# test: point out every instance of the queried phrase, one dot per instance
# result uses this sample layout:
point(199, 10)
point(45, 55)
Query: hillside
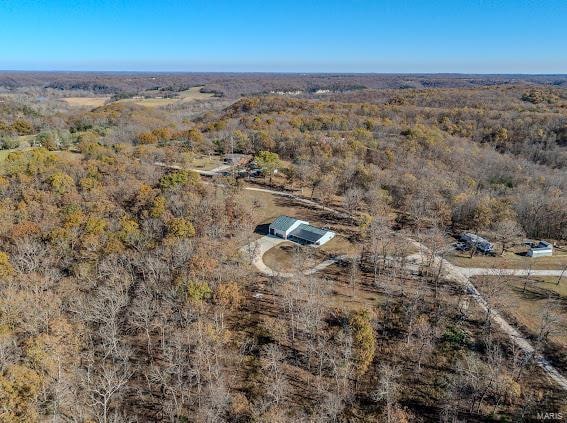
point(128, 284)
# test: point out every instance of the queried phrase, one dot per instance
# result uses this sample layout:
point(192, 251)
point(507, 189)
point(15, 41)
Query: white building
point(284, 225)
point(299, 231)
point(541, 249)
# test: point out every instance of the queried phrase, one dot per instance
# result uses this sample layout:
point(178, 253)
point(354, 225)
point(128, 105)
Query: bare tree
point(552, 323)
point(378, 238)
point(528, 263)
point(354, 272)
point(272, 365)
point(388, 390)
point(491, 289)
point(507, 231)
point(352, 199)
point(423, 340)
point(561, 275)
point(434, 240)
point(104, 386)
point(142, 316)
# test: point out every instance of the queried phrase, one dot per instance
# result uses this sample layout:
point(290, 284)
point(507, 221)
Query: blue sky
point(477, 36)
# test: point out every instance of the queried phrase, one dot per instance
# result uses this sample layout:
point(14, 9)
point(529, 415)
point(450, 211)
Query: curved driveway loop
point(256, 250)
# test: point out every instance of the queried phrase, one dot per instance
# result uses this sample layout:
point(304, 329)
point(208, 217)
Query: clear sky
point(476, 36)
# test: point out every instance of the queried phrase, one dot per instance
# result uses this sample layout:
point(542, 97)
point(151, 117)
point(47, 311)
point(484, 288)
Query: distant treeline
point(234, 85)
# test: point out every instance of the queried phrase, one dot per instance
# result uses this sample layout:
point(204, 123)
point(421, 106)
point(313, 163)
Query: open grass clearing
point(192, 94)
point(68, 155)
point(524, 303)
point(204, 162)
point(150, 102)
point(24, 143)
point(339, 246)
point(25, 140)
point(289, 256)
point(509, 260)
point(268, 207)
point(85, 101)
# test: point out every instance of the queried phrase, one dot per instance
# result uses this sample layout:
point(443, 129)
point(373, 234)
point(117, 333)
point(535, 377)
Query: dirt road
point(461, 276)
point(480, 271)
point(458, 275)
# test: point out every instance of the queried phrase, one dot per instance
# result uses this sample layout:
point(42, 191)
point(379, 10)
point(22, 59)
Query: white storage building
point(299, 231)
point(541, 249)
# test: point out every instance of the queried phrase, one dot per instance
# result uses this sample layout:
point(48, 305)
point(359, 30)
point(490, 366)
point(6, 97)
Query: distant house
point(541, 249)
point(299, 231)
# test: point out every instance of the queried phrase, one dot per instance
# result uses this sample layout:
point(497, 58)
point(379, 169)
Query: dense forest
point(127, 294)
point(235, 85)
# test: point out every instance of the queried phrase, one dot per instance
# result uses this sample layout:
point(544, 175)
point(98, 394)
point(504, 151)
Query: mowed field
point(204, 162)
point(290, 256)
point(187, 96)
point(85, 101)
point(268, 207)
point(510, 260)
point(526, 306)
point(192, 94)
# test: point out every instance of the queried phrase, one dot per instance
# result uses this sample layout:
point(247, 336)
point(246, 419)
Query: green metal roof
point(283, 223)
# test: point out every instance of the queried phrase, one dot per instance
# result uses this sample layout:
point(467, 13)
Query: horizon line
point(281, 72)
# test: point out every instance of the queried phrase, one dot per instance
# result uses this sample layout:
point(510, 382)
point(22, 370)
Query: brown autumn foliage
point(124, 295)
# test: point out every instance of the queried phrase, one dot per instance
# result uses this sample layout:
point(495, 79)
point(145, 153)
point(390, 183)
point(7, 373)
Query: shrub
point(158, 207)
point(19, 388)
point(6, 268)
point(181, 177)
point(198, 291)
point(146, 138)
point(180, 228)
point(48, 140)
point(95, 225)
point(455, 337)
point(364, 339)
point(130, 230)
point(22, 127)
point(9, 143)
point(61, 183)
point(228, 295)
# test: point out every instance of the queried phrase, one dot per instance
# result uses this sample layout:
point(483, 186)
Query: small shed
point(541, 249)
